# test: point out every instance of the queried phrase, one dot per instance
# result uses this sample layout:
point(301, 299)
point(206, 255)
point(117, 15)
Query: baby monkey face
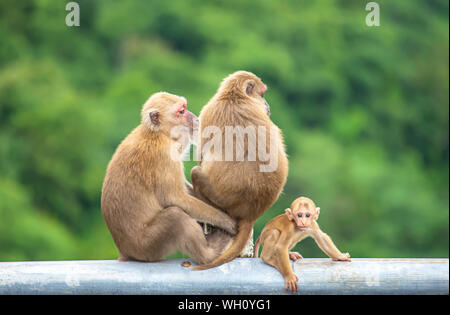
point(303, 212)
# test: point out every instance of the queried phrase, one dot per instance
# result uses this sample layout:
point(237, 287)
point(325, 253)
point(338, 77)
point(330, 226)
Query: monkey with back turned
point(240, 187)
point(283, 232)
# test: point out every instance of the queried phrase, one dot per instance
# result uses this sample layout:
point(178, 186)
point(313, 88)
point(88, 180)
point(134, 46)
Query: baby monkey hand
point(343, 257)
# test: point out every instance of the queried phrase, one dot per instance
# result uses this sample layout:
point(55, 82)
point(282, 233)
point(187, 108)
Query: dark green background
point(364, 111)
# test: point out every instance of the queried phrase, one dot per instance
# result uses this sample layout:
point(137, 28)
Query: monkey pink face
point(256, 89)
point(303, 212)
point(183, 124)
point(264, 90)
point(165, 112)
point(185, 117)
point(266, 105)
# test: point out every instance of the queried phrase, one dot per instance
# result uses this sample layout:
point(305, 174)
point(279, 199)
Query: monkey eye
point(299, 215)
point(182, 109)
point(308, 215)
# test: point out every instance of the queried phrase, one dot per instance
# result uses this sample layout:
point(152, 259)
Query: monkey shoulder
point(283, 223)
point(315, 226)
point(138, 163)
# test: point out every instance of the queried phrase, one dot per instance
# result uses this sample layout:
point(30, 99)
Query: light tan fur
point(239, 187)
point(145, 197)
point(283, 232)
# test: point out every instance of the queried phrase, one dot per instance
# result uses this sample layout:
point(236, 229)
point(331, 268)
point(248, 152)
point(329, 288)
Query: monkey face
point(168, 113)
point(303, 212)
point(265, 104)
point(185, 118)
point(303, 218)
point(255, 88)
point(185, 121)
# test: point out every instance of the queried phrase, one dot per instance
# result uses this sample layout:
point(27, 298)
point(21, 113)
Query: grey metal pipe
point(241, 276)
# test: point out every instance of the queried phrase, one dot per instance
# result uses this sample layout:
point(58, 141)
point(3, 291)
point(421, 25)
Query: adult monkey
point(145, 197)
point(246, 188)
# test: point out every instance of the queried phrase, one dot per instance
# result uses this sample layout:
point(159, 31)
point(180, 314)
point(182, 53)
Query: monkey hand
point(228, 224)
point(290, 283)
point(294, 256)
point(343, 257)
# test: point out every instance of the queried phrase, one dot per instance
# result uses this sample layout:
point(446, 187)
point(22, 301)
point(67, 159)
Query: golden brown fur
point(239, 187)
point(145, 200)
point(283, 232)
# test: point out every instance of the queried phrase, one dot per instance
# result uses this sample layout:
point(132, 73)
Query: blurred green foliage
point(364, 111)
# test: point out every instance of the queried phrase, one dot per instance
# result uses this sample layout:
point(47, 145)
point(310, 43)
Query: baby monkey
point(284, 231)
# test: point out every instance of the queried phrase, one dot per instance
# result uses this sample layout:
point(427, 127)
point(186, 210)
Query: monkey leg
point(269, 241)
point(247, 252)
point(284, 266)
point(123, 257)
point(203, 189)
point(275, 253)
point(198, 194)
point(248, 249)
point(174, 229)
point(198, 180)
point(290, 278)
point(218, 240)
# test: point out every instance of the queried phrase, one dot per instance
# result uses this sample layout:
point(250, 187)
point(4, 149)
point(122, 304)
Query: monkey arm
point(203, 212)
point(327, 246)
point(189, 188)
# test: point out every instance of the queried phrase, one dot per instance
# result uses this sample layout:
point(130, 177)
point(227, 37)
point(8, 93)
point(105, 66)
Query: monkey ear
point(154, 118)
point(249, 85)
point(316, 216)
point(289, 214)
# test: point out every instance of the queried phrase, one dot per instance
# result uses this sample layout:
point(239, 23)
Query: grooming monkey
point(284, 231)
point(239, 187)
point(145, 199)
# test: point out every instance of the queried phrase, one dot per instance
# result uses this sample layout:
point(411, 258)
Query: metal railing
point(241, 276)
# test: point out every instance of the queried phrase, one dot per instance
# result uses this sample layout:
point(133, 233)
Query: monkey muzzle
point(192, 120)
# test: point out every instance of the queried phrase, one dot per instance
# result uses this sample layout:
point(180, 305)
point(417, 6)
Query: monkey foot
point(290, 283)
point(247, 252)
point(295, 256)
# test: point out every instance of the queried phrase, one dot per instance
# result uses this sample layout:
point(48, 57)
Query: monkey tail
point(256, 249)
point(239, 242)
